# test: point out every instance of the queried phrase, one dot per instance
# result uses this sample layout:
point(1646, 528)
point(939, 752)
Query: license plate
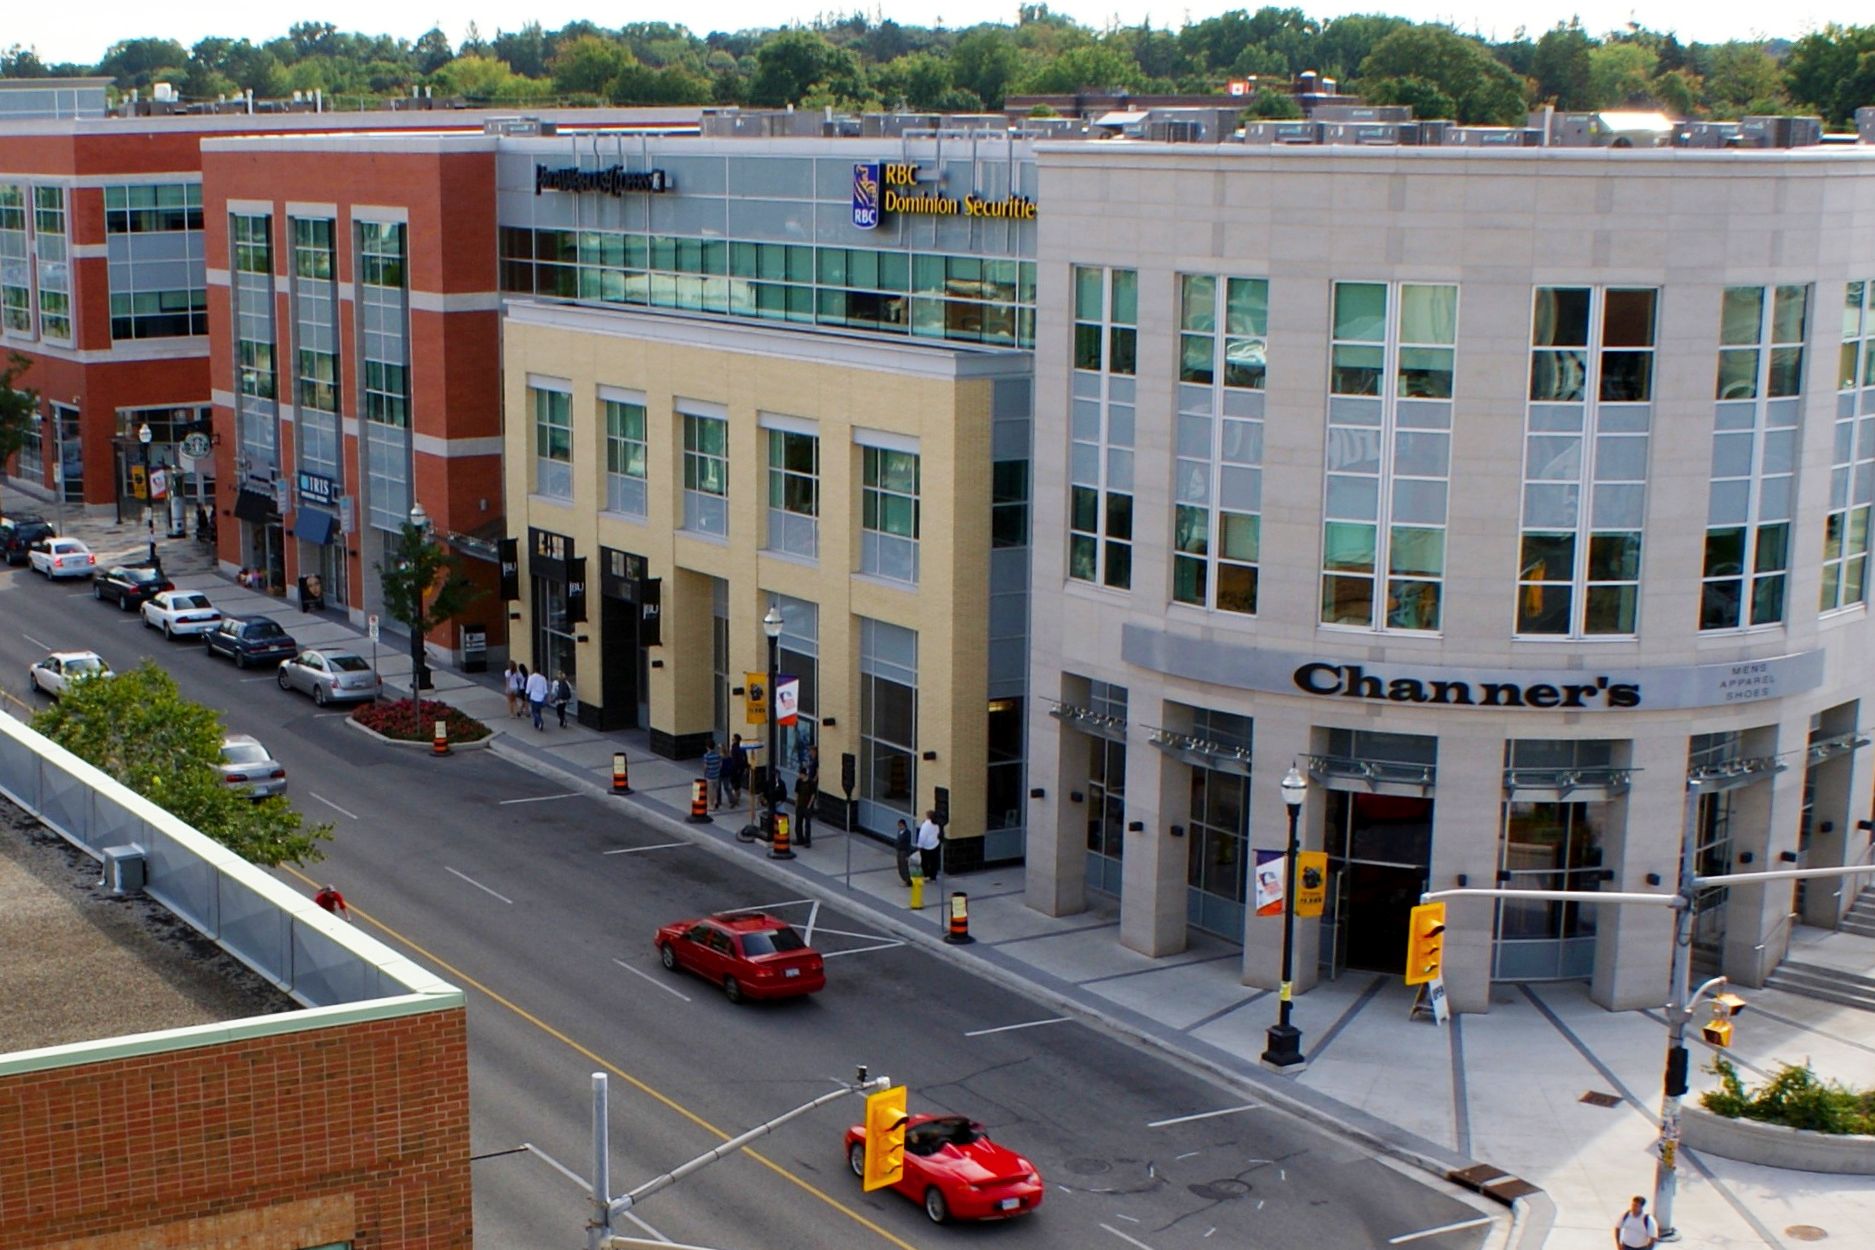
point(790, 972)
point(1009, 1204)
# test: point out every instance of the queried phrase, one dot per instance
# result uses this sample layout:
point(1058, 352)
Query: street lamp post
point(419, 666)
point(58, 465)
point(1285, 1040)
point(771, 625)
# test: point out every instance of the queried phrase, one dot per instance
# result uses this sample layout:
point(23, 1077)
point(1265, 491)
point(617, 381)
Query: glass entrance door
point(1379, 862)
point(1712, 854)
point(553, 636)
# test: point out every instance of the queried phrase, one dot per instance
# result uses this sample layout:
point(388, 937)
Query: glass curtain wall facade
point(16, 262)
point(52, 263)
point(257, 415)
point(1218, 513)
point(384, 356)
point(158, 273)
point(1852, 459)
point(316, 348)
point(1101, 426)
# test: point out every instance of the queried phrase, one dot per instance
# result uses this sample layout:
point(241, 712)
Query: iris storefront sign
point(880, 188)
point(612, 180)
point(1413, 685)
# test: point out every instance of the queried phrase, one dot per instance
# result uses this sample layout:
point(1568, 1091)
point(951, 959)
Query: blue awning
point(315, 527)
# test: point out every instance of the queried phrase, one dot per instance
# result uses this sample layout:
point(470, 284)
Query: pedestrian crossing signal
point(1425, 944)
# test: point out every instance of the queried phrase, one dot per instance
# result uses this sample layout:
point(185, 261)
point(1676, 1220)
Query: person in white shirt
point(1636, 1229)
point(930, 838)
point(537, 696)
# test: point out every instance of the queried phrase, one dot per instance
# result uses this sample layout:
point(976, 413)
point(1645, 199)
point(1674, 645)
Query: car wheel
point(123, 603)
point(97, 592)
point(935, 1206)
point(856, 1158)
point(240, 660)
point(167, 633)
point(284, 685)
point(668, 955)
point(732, 989)
point(319, 695)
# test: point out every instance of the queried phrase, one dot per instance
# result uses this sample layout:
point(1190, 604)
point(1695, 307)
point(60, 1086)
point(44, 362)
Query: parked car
point(61, 557)
point(250, 640)
point(129, 584)
point(247, 765)
point(180, 613)
point(956, 1171)
point(330, 676)
point(19, 533)
point(59, 671)
point(750, 954)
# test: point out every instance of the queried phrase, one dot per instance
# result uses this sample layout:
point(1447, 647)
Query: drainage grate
point(1596, 1098)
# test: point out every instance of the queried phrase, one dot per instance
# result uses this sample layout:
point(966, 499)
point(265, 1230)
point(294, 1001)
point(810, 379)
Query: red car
point(749, 953)
point(956, 1171)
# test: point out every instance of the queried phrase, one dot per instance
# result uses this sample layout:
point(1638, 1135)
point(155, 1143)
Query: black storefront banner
point(651, 612)
point(576, 590)
point(508, 551)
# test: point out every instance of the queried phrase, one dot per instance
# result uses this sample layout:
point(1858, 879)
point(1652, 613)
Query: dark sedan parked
point(19, 533)
point(129, 585)
point(251, 640)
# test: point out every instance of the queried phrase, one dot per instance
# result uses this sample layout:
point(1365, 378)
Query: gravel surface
point(79, 964)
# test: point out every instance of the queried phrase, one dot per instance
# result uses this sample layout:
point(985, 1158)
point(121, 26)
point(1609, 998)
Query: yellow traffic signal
point(1425, 943)
point(885, 1138)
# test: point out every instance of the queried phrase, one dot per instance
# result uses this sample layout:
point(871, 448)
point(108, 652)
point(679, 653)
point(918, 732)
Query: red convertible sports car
point(749, 953)
point(956, 1171)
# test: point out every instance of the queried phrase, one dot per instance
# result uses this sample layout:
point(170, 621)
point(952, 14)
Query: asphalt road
point(542, 904)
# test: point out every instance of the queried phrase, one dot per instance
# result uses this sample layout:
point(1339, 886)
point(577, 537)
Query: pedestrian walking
point(1636, 1230)
point(562, 695)
point(736, 769)
point(334, 902)
point(930, 847)
point(713, 783)
point(512, 684)
point(537, 697)
point(806, 790)
point(902, 844)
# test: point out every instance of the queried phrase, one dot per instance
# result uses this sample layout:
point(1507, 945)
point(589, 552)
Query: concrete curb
point(1533, 1213)
point(479, 744)
point(1776, 1146)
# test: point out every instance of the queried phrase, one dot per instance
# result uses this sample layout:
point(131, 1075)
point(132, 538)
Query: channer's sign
point(1370, 683)
point(612, 180)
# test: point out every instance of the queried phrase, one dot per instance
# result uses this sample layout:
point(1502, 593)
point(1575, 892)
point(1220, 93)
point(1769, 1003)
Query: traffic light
point(849, 774)
point(941, 804)
point(885, 1138)
point(1718, 1030)
point(1425, 943)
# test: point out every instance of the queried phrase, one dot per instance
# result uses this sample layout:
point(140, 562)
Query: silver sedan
point(332, 676)
point(249, 767)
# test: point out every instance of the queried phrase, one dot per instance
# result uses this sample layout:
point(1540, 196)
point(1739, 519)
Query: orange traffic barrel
point(700, 803)
point(621, 774)
point(779, 849)
point(439, 745)
point(960, 919)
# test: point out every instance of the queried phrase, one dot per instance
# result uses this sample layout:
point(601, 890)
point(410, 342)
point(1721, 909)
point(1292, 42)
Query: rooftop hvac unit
point(1174, 131)
point(124, 869)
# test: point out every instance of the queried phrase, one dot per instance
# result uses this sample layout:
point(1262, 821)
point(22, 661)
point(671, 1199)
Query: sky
point(58, 36)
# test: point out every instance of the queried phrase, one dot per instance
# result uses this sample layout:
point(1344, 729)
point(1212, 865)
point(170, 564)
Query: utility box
point(475, 648)
point(124, 869)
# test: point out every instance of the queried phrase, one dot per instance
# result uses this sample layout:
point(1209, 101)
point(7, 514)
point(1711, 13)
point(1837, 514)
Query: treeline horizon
point(859, 64)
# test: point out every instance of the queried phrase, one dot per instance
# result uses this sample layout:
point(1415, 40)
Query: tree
point(424, 586)
point(1743, 80)
point(789, 66)
point(1484, 91)
point(17, 406)
point(19, 62)
point(918, 81)
point(141, 62)
point(1833, 71)
point(1423, 97)
point(1093, 65)
point(587, 65)
point(1560, 66)
point(1268, 105)
point(138, 728)
point(431, 52)
point(986, 61)
point(1622, 74)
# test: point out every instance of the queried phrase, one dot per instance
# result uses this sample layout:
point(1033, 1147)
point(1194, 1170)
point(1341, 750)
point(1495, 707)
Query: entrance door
point(553, 636)
point(619, 652)
point(1380, 858)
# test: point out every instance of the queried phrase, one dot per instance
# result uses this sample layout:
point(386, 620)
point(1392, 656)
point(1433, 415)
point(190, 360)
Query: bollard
point(960, 919)
point(700, 803)
point(621, 775)
point(779, 849)
point(917, 891)
point(439, 745)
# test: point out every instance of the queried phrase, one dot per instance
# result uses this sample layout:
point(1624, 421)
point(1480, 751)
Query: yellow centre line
point(615, 1070)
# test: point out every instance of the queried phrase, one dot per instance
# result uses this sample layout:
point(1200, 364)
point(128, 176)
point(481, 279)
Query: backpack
point(562, 693)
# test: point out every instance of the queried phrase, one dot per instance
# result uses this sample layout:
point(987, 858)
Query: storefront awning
point(315, 527)
point(251, 505)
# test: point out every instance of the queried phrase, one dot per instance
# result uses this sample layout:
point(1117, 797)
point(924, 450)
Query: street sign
point(371, 626)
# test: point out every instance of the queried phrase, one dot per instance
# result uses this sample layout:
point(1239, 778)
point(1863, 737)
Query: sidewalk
point(1504, 1089)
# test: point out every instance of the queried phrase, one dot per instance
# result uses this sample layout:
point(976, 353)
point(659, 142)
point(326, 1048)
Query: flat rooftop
point(84, 965)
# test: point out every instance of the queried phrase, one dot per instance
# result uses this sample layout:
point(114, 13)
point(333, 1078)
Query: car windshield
point(84, 664)
point(265, 629)
point(243, 753)
point(348, 663)
point(191, 601)
point(769, 941)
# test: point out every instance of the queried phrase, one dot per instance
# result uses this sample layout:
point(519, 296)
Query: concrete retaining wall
point(1774, 1146)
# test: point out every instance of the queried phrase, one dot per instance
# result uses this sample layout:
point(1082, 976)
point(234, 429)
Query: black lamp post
point(1285, 1040)
point(771, 625)
point(419, 667)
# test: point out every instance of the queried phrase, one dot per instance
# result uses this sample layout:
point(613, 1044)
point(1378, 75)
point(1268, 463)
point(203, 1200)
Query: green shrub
point(1794, 1097)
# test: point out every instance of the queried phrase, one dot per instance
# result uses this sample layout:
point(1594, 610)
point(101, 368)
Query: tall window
point(1389, 455)
point(797, 655)
point(1585, 460)
point(315, 341)
point(1217, 517)
point(706, 474)
point(1754, 456)
point(1218, 847)
point(1100, 453)
point(53, 253)
point(888, 724)
point(1852, 464)
point(793, 489)
point(553, 442)
point(626, 453)
point(888, 539)
point(1551, 845)
point(16, 265)
point(159, 277)
point(250, 240)
point(383, 307)
point(1106, 785)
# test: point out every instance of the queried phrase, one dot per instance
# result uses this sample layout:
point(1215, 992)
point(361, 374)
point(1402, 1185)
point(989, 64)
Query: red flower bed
point(409, 722)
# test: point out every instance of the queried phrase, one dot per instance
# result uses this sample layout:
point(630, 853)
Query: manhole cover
point(1089, 1167)
point(1220, 1190)
point(1805, 1232)
point(1598, 1099)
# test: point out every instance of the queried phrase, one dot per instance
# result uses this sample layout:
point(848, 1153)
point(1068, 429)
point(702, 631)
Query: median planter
point(1774, 1146)
point(399, 722)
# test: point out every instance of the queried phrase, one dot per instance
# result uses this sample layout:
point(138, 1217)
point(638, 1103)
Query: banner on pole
point(755, 698)
point(1311, 882)
point(1269, 883)
point(787, 699)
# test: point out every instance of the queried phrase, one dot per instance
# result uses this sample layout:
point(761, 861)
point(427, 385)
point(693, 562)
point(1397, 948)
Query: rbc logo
point(866, 195)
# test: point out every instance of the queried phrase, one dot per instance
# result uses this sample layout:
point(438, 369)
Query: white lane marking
point(478, 885)
point(1189, 1154)
point(540, 798)
point(334, 806)
point(633, 850)
point(647, 976)
point(1434, 1232)
point(1032, 1024)
point(1203, 1115)
point(245, 680)
point(860, 950)
point(813, 914)
point(1130, 1219)
point(43, 646)
point(1131, 1241)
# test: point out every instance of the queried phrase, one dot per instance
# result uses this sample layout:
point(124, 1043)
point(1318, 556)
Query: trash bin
point(475, 648)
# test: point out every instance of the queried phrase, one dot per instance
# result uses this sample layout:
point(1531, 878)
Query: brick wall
point(355, 1133)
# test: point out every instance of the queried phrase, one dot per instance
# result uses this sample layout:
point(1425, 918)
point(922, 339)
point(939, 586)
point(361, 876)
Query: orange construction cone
point(779, 848)
point(700, 804)
point(621, 775)
point(439, 745)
